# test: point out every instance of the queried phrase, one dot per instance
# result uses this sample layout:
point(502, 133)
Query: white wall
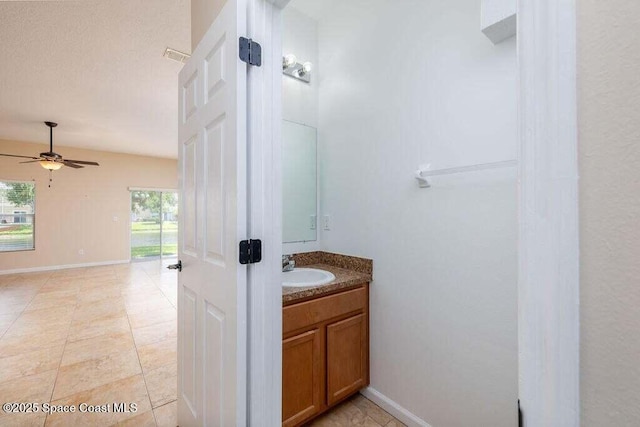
point(404, 83)
point(203, 13)
point(609, 160)
point(300, 99)
point(300, 37)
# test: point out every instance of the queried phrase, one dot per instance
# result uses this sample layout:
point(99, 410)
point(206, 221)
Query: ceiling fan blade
point(71, 165)
point(31, 161)
point(82, 162)
point(22, 157)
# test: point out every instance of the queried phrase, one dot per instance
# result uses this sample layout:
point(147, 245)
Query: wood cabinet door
point(302, 377)
point(347, 360)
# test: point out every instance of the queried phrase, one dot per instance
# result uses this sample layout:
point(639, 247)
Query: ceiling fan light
point(50, 165)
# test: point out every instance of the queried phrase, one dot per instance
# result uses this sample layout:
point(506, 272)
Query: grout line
point(66, 340)
point(25, 307)
point(144, 378)
point(68, 332)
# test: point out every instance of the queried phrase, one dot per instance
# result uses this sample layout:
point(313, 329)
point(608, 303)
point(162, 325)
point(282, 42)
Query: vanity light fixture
point(292, 68)
point(306, 68)
point(289, 61)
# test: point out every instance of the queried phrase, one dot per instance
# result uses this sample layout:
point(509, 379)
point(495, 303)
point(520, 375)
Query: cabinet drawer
point(298, 316)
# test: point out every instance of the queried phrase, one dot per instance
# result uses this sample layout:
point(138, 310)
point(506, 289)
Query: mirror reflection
point(299, 183)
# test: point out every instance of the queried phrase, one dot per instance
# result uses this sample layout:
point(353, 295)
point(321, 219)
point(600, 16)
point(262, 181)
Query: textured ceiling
point(96, 68)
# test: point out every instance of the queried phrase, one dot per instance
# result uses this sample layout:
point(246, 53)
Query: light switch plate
point(312, 222)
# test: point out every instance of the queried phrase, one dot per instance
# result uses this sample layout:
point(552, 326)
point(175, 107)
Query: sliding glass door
point(154, 224)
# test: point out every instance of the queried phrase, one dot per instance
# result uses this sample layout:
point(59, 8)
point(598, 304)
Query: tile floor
point(357, 411)
point(95, 335)
point(101, 335)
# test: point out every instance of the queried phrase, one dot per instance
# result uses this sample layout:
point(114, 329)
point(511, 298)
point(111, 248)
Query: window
point(17, 216)
point(154, 224)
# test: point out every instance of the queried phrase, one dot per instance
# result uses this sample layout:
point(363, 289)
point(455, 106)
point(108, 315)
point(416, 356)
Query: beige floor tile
point(34, 388)
point(51, 300)
point(23, 420)
point(98, 294)
point(17, 292)
point(140, 320)
point(134, 280)
point(62, 290)
point(7, 320)
point(97, 310)
point(13, 305)
point(35, 362)
point(82, 330)
point(7, 279)
point(162, 384)
point(148, 305)
point(60, 284)
point(32, 278)
point(141, 292)
point(4, 325)
point(91, 284)
point(95, 372)
point(344, 415)
point(126, 390)
point(97, 347)
point(157, 354)
point(356, 411)
point(24, 325)
point(145, 419)
point(156, 332)
point(371, 409)
point(47, 315)
point(68, 272)
point(11, 345)
point(76, 326)
point(167, 415)
point(99, 270)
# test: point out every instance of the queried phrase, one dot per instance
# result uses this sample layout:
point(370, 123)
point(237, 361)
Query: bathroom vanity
point(325, 347)
point(325, 296)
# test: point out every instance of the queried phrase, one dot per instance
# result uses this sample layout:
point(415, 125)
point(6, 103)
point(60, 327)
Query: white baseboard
point(393, 408)
point(62, 267)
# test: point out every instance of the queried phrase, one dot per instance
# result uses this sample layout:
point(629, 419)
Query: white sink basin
point(302, 277)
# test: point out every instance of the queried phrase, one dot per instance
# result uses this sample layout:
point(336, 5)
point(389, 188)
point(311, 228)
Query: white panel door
point(212, 337)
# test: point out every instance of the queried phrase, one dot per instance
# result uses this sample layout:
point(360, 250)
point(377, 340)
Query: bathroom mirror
point(299, 183)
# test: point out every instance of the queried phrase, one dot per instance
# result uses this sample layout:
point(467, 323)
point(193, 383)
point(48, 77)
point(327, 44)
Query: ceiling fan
point(50, 160)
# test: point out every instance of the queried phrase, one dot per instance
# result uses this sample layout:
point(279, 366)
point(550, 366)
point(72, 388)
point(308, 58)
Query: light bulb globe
point(50, 165)
point(289, 60)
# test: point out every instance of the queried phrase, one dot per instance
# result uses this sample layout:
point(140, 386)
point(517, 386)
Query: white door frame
point(548, 295)
point(548, 273)
point(264, 289)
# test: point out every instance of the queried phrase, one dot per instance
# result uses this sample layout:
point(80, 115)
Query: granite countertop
point(351, 273)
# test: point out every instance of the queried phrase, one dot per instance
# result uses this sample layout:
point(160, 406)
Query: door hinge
point(250, 52)
point(250, 251)
point(520, 421)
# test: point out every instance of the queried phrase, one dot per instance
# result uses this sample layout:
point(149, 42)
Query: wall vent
point(176, 55)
